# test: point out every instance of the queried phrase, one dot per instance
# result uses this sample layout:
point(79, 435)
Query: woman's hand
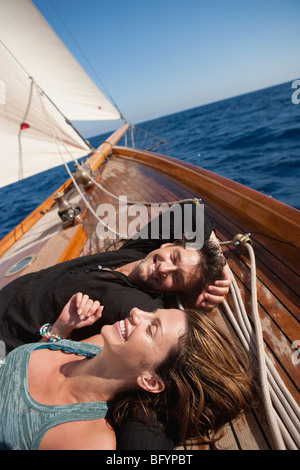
point(214, 295)
point(79, 312)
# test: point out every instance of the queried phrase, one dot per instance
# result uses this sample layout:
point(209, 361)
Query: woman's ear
point(151, 383)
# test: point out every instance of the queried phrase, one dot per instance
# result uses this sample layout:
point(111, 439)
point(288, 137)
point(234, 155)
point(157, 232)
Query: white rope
point(271, 416)
point(97, 184)
point(139, 202)
point(142, 203)
point(283, 420)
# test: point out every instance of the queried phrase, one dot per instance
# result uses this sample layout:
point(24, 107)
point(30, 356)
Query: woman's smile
point(122, 330)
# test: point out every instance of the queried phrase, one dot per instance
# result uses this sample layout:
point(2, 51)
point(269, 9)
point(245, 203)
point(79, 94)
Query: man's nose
point(166, 268)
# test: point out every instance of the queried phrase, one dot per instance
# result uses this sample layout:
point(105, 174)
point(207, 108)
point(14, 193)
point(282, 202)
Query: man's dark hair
point(211, 265)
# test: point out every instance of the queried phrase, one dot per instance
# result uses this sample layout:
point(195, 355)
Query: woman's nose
point(136, 315)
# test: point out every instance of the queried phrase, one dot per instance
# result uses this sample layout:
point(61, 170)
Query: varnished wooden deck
point(142, 177)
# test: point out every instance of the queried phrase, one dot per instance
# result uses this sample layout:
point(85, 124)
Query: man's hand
point(214, 295)
point(79, 312)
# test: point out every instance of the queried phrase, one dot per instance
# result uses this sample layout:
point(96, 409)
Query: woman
point(169, 361)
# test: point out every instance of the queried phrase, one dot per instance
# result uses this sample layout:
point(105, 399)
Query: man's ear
point(151, 383)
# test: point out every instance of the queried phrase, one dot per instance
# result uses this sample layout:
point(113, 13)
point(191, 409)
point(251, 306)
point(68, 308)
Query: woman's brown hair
point(208, 382)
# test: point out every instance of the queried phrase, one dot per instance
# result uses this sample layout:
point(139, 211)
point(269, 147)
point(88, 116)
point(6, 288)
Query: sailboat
point(259, 235)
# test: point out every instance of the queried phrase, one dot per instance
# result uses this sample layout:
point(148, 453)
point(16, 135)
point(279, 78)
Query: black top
point(38, 298)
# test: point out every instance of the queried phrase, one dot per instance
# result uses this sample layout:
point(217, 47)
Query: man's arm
point(214, 294)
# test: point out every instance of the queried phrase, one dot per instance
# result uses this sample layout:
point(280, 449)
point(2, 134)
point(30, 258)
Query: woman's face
point(140, 342)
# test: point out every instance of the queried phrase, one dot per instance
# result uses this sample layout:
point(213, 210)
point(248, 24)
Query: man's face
point(171, 268)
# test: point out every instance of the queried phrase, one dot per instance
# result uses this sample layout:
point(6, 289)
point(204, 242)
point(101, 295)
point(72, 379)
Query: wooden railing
point(248, 204)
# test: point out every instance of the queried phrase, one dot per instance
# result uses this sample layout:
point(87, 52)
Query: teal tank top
point(23, 421)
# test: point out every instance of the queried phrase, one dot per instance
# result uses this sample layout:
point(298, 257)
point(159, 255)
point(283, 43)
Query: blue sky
point(157, 57)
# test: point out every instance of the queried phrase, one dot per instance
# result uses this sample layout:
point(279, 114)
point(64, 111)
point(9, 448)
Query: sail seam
point(20, 174)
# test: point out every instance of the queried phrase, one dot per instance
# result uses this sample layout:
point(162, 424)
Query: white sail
point(34, 135)
point(40, 83)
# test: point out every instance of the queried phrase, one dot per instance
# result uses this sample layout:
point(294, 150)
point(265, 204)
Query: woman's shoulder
point(101, 435)
point(95, 434)
point(91, 345)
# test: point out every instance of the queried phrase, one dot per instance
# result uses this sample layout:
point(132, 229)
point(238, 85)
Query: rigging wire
point(87, 60)
point(57, 141)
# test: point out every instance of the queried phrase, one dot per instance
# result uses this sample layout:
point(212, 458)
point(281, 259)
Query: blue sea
point(253, 139)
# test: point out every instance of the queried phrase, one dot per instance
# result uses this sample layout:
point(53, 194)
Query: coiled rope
point(284, 418)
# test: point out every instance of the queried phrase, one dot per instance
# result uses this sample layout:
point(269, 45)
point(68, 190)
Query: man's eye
point(149, 330)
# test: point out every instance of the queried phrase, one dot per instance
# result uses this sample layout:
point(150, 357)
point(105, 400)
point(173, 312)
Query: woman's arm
point(79, 312)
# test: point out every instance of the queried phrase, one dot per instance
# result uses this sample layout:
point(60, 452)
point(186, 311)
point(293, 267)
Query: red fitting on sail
point(24, 125)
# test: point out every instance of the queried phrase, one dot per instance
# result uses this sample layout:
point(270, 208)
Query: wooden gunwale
point(94, 160)
point(30, 220)
point(269, 213)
